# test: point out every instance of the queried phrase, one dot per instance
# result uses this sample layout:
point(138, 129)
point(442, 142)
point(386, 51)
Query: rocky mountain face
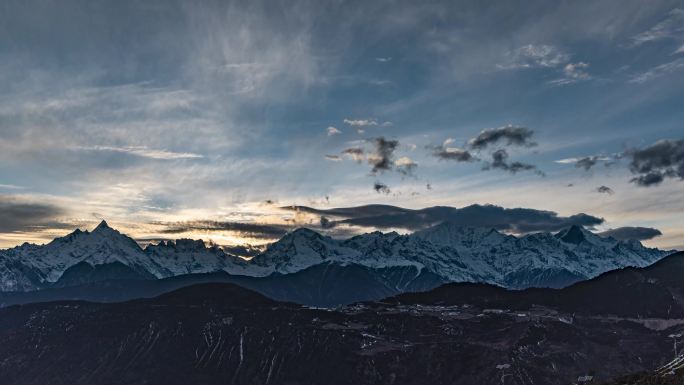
point(323, 285)
point(453, 253)
point(653, 292)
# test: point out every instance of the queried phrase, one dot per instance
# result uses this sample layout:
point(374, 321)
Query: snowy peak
point(181, 245)
point(102, 236)
point(102, 227)
point(576, 235)
point(460, 237)
point(573, 234)
point(451, 251)
point(300, 249)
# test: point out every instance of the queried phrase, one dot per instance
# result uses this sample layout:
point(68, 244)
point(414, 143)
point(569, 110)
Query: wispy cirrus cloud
point(144, 152)
point(588, 162)
point(658, 71)
point(361, 122)
point(534, 56)
point(10, 187)
point(671, 27)
point(547, 57)
point(573, 73)
point(355, 153)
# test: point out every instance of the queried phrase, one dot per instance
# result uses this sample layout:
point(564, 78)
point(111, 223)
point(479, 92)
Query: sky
point(234, 121)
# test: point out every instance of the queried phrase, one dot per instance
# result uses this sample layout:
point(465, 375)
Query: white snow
point(456, 253)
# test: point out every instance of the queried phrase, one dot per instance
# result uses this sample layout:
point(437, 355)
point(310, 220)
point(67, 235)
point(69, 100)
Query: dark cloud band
point(653, 164)
point(261, 231)
point(19, 215)
point(518, 220)
point(511, 135)
point(626, 233)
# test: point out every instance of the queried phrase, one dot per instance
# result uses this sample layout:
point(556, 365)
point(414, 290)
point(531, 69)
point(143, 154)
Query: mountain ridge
point(454, 252)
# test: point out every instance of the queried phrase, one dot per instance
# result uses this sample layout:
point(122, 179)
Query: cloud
point(405, 165)
point(535, 56)
point(10, 187)
point(547, 56)
point(653, 164)
point(333, 131)
point(588, 162)
point(573, 73)
point(507, 135)
point(144, 152)
point(21, 214)
point(452, 153)
point(517, 220)
point(361, 122)
point(326, 223)
point(658, 71)
point(382, 157)
point(649, 179)
point(355, 153)
point(605, 190)
point(381, 188)
point(512, 135)
point(253, 230)
point(383, 59)
point(627, 233)
point(499, 161)
point(351, 212)
point(671, 27)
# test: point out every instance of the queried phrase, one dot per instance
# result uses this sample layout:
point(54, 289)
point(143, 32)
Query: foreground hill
point(656, 291)
point(222, 333)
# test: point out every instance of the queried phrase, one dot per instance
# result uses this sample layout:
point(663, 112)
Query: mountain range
point(377, 264)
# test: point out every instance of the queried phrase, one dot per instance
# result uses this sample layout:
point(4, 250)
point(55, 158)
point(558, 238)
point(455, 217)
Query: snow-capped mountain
point(189, 256)
point(453, 252)
point(30, 266)
point(460, 253)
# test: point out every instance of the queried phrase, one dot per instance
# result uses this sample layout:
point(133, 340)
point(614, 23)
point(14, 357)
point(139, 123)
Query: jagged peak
point(458, 228)
point(103, 226)
point(575, 234)
point(303, 232)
